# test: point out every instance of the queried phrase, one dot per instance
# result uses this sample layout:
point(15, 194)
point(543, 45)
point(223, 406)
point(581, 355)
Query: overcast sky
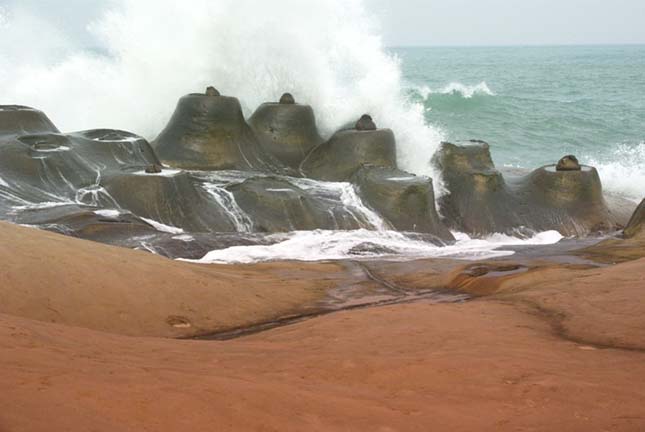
point(451, 22)
point(511, 22)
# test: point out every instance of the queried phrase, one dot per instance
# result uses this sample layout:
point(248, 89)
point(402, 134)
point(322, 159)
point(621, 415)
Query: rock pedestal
point(340, 157)
point(478, 199)
point(22, 120)
point(210, 133)
point(407, 201)
point(286, 130)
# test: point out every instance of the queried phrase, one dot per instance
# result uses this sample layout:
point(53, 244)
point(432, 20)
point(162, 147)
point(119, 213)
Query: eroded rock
point(287, 99)
point(210, 133)
point(636, 225)
point(277, 205)
point(286, 130)
point(340, 157)
point(212, 91)
point(405, 200)
point(23, 120)
point(481, 201)
point(568, 163)
point(365, 123)
point(478, 199)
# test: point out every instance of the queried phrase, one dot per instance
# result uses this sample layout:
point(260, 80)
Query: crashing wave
point(327, 53)
point(457, 89)
point(622, 170)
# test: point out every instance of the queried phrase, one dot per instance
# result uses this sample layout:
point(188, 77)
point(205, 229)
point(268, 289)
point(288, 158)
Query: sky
point(446, 22)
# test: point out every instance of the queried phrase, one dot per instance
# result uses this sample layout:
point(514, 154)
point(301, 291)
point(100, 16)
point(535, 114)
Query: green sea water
point(536, 104)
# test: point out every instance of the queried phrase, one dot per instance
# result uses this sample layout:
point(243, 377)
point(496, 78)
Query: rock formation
point(347, 150)
point(210, 133)
point(479, 200)
point(407, 201)
point(277, 205)
point(568, 163)
point(246, 179)
point(286, 130)
point(636, 225)
point(556, 197)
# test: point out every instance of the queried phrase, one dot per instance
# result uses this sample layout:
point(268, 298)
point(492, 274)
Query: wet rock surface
point(211, 180)
point(405, 200)
point(565, 197)
point(479, 201)
point(210, 133)
point(278, 205)
point(636, 225)
point(286, 130)
point(346, 151)
point(568, 163)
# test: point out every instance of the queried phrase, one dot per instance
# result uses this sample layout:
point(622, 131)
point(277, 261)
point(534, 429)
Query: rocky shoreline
point(213, 177)
point(96, 335)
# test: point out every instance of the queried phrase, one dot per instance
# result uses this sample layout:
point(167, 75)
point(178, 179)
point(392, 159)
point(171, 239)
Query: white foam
point(403, 179)
point(622, 171)
point(107, 213)
point(164, 173)
point(336, 245)
point(3, 182)
point(163, 227)
point(328, 53)
point(125, 139)
point(457, 88)
point(52, 149)
point(43, 205)
point(280, 190)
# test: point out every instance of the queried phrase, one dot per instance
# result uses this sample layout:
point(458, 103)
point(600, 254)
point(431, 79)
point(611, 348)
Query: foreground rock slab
point(52, 278)
point(483, 365)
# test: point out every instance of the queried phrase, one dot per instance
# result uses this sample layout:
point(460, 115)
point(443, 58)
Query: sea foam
point(622, 170)
point(457, 89)
point(337, 245)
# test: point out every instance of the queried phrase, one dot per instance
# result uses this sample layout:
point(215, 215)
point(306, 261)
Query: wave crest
point(458, 89)
point(622, 171)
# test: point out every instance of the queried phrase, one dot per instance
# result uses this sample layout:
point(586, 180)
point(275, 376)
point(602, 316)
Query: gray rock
point(210, 133)
point(340, 157)
point(636, 225)
point(405, 200)
point(568, 163)
point(286, 131)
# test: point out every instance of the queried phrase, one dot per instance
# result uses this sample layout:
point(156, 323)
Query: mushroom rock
point(212, 91)
point(22, 120)
point(481, 201)
point(407, 201)
point(210, 133)
point(287, 99)
point(568, 163)
point(478, 199)
point(286, 130)
point(636, 225)
point(365, 123)
point(347, 150)
point(571, 202)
